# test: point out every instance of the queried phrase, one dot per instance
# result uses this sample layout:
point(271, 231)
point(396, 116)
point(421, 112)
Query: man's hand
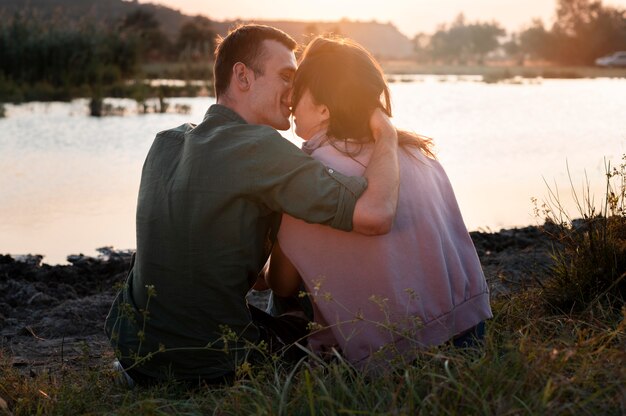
point(381, 126)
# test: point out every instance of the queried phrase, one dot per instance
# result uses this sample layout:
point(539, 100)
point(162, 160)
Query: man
point(209, 204)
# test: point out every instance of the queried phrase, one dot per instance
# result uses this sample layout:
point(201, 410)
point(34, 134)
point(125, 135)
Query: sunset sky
point(410, 16)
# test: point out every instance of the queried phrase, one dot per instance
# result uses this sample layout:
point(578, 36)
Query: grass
point(538, 357)
point(533, 362)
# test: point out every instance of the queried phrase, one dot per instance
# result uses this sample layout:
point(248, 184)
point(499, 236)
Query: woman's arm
point(281, 276)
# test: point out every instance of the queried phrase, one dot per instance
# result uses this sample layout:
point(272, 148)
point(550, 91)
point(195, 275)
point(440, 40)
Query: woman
point(387, 296)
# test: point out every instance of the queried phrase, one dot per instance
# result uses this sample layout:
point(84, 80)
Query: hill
point(382, 39)
point(105, 12)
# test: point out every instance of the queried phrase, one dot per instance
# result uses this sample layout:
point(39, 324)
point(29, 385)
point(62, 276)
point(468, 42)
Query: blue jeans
point(471, 338)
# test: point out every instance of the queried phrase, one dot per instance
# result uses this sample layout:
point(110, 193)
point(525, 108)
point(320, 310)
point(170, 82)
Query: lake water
point(69, 182)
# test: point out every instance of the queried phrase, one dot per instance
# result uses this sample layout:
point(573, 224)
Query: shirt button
point(331, 171)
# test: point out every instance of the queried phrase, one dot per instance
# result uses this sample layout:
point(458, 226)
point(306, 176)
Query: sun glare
point(410, 17)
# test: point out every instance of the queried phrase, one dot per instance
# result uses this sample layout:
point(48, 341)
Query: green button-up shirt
point(209, 206)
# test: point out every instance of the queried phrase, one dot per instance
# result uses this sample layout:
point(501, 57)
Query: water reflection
point(69, 182)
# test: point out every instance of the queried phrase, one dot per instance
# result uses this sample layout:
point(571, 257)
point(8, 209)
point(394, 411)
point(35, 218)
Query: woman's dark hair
point(345, 77)
point(244, 44)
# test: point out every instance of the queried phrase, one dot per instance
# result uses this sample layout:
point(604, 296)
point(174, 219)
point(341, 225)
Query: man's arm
point(376, 208)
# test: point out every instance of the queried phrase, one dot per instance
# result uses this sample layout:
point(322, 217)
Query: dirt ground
point(53, 316)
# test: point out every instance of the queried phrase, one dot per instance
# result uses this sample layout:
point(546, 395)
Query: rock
point(57, 300)
point(40, 298)
point(5, 309)
point(84, 316)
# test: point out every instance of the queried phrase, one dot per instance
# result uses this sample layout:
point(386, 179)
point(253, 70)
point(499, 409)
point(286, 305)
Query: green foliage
point(583, 31)
point(536, 42)
point(52, 62)
point(47, 60)
point(143, 27)
point(462, 43)
point(196, 39)
point(590, 254)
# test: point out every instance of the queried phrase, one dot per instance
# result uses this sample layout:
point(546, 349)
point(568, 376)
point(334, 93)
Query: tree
point(35, 56)
point(513, 49)
point(143, 27)
point(585, 30)
point(573, 15)
point(421, 44)
point(465, 42)
point(536, 42)
point(196, 39)
point(483, 38)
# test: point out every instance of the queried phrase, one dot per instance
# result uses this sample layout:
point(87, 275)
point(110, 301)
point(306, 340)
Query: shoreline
point(405, 67)
point(485, 240)
point(170, 84)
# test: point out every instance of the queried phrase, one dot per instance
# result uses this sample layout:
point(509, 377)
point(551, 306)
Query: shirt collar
point(225, 112)
point(314, 142)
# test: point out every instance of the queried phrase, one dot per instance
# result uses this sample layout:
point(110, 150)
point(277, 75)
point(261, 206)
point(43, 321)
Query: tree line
point(53, 60)
point(583, 31)
point(48, 59)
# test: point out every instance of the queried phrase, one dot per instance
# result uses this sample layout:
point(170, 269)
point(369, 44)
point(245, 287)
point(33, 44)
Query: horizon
point(409, 18)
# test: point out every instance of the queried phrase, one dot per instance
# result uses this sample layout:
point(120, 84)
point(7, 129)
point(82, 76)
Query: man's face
point(270, 92)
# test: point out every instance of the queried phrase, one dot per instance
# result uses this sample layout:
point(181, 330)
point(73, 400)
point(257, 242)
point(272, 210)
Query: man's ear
point(240, 76)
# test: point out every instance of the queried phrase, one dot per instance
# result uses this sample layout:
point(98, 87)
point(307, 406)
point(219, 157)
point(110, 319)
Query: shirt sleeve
point(290, 181)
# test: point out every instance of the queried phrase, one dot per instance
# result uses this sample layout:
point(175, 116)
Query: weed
point(532, 363)
point(590, 254)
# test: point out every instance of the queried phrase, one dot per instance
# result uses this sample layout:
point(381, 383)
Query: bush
point(590, 252)
point(43, 60)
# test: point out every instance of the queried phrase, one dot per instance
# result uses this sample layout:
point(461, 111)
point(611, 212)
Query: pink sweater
point(388, 296)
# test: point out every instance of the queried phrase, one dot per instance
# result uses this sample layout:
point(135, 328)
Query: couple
point(370, 224)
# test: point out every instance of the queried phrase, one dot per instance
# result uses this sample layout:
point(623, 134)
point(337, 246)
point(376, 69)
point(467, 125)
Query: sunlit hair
point(346, 78)
point(244, 44)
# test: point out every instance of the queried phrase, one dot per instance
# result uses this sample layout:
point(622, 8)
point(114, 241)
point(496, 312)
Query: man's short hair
point(244, 44)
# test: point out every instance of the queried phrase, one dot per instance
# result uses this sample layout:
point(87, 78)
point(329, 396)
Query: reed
point(590, 246)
